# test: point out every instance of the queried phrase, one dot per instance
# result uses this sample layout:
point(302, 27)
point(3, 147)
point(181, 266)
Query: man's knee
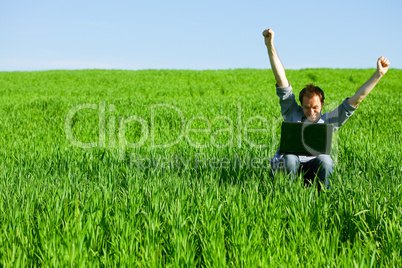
point(324, 158)
point(291, 163)
point(322, 167)
point(325, 161)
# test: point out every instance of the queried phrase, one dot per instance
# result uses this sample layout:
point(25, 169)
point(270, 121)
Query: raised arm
point(365, 89)
point(276, 64)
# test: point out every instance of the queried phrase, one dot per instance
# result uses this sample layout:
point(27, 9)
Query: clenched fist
point(382, 65)
point(269, 36)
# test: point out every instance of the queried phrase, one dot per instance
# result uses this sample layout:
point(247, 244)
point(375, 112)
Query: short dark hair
point(309, 91)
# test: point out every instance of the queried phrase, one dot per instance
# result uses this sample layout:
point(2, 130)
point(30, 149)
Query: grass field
point(171, 168)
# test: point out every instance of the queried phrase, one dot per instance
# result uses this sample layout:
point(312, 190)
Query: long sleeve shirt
point(292, 112)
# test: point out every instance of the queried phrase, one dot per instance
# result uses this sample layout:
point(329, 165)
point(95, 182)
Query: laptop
point(306, 138)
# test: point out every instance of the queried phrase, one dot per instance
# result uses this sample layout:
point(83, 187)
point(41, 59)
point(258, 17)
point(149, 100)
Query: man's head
point(312, 100)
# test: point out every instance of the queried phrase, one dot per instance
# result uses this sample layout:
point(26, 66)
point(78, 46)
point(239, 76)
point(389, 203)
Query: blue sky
point(156, 34)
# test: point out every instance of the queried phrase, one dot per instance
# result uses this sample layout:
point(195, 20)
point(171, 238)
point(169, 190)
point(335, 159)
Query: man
point(312, 100)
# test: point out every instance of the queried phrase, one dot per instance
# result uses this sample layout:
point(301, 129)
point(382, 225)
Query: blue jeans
point(321, 166)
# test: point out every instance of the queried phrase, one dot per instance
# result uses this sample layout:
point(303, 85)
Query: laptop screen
point(306, 138)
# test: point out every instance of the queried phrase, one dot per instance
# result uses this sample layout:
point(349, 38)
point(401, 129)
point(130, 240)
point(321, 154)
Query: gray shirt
point(292, 112)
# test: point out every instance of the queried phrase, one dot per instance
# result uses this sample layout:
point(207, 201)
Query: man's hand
point(269, 37)
point(382, 65)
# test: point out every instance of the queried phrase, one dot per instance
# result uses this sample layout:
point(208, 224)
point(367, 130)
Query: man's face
point(312, 107)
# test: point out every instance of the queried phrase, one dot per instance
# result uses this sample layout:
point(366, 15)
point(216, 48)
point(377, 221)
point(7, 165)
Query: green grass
point(205, 200)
